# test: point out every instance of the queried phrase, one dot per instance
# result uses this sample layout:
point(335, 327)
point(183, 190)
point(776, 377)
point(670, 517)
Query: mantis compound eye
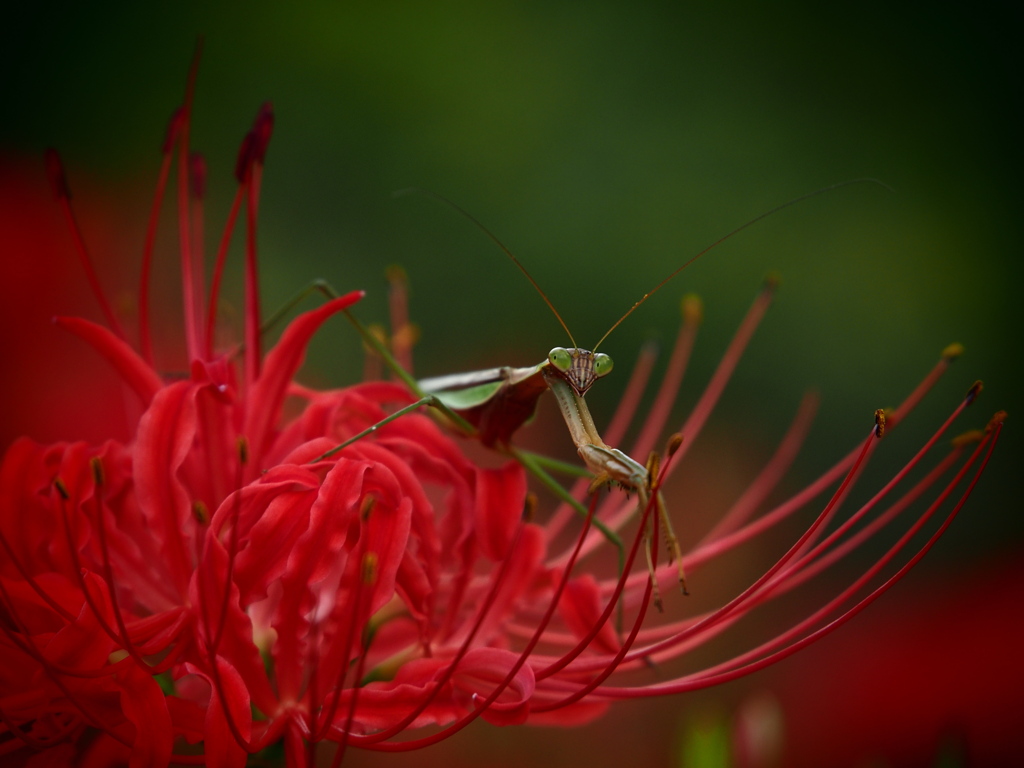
point(602, 364)
point(560, 358)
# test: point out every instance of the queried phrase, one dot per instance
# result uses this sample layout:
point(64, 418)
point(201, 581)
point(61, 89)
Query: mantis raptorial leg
point(610, 464)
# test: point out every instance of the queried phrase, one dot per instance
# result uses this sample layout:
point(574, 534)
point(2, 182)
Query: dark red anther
point(254, 145)
point(244, 161)
point(55, 172)
point(173, 130)
point(262, 129)
point(197, 174)
point(974, 391)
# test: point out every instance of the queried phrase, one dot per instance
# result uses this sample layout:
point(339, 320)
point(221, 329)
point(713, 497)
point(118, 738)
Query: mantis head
point(579, 367)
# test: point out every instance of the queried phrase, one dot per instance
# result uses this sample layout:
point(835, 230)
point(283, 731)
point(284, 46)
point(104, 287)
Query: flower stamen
point(62, 192)
point(167, 155)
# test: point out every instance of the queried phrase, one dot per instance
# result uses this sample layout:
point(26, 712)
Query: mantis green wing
point(497, 401)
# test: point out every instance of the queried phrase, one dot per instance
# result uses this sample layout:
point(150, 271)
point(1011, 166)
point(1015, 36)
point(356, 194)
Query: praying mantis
point(499, 400)
point(492, 404)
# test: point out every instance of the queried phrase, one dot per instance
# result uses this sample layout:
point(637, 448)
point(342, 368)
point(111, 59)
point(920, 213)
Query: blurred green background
point(604, 143)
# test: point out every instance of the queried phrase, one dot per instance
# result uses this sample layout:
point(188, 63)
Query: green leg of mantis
point(529, 461)
point(428, 400)
point(555, 465)
point(316, 286)
point(538, 464)
point(671, 544)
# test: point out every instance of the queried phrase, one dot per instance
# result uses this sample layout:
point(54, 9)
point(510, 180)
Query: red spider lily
point(230, 578)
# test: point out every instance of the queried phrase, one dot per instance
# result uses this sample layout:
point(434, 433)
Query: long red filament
point(693, 683)
point(771, 473)
point(702, 410)
point(654, 424)
point(805, 570)
point(197, 177)
point(167, 153)
point(252, 336)
point(192, 302)
point(218, 269)
point(260, 138)
point(630, 399)
point(798, 571)
point(819, 522)
point(61, 190)
point(714, 548)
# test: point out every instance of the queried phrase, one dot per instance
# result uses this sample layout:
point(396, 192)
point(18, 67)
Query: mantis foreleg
point(611, 464)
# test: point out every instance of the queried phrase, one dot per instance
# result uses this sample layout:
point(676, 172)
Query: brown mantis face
point(580, 368)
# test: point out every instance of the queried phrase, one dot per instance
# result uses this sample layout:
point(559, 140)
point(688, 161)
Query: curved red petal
point(145, 706)
point(280, 367)
point(581, 606)
point(220, 746)
point(501, 494)
point(132, 368)
point(482, 669)
point(165, 435)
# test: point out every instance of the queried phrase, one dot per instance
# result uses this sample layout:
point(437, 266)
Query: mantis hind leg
point(671, 543)
point(649, 553)
point(675, 553)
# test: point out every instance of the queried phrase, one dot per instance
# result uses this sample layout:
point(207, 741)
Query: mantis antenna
point(722, 239)
point(659, 286)
point(486, 231)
